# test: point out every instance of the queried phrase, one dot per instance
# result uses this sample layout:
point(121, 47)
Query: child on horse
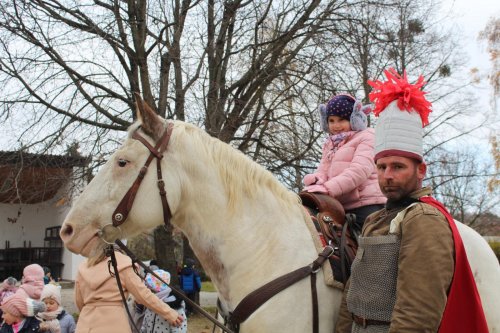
point(346, 171)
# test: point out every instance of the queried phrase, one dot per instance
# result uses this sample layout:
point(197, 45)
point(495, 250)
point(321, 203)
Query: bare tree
point(491, 34)
point(69, 69)
point(464, 180)
point(251, 73)
point(460, 182)
point(407, 35)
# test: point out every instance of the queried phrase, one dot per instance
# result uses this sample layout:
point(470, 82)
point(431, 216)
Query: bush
point(496, 248)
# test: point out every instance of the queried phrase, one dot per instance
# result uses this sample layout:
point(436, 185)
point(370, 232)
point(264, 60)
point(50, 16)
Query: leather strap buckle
point(363, 322)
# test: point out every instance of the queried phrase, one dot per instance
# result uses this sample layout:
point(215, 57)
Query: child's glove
point(316, 189)
point(310, 179)
point(34, 307)
point(43, 326)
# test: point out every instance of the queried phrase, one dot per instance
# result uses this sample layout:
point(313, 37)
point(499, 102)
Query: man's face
point(399, 176)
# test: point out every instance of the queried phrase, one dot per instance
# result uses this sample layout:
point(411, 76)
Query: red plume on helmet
point(409, 96)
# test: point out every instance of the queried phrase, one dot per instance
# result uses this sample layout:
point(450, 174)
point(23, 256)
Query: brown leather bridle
point(121, 212)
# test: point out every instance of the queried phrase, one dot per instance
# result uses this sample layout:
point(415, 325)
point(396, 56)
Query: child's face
point(51, 304)
point(10, 318)
point(338, 125)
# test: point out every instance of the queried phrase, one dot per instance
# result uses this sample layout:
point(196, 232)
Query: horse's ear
point(150, 121)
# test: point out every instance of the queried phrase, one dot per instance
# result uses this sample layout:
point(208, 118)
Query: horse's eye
point(122, 162)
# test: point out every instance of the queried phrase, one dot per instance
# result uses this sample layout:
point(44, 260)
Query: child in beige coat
point(98, 298)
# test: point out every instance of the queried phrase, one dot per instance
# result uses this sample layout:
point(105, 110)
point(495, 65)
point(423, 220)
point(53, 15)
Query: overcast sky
point(470, 18)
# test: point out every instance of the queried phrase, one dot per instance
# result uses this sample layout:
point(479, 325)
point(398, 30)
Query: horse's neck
point(237, 219)
point(247, 248)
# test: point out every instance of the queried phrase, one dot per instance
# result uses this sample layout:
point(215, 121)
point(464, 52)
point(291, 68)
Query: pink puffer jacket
point(349, 174)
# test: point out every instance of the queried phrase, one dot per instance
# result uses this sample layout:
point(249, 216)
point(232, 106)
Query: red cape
point(463, 311)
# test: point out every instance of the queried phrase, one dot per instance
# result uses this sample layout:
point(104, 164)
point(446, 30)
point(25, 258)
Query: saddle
point(333, 224)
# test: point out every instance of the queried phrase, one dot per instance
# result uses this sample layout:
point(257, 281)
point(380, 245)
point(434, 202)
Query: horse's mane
point(238, 173)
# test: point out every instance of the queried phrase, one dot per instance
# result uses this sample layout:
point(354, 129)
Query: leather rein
point(248, 304)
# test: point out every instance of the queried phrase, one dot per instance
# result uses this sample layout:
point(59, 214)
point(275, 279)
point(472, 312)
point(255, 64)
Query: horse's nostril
point(67, 230)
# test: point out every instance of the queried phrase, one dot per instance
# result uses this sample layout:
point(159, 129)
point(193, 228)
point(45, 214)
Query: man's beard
point(396, 194)
point(400, 192)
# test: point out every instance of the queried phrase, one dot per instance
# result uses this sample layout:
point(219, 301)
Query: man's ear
point(151, 123)
point(421, 170)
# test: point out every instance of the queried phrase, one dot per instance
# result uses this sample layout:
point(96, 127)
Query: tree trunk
point(165, 249)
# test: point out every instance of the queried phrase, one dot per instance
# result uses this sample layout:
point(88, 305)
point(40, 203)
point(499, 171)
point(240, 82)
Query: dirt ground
point(199, 324)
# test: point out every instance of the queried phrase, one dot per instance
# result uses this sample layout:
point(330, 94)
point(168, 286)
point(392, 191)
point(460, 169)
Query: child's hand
point(310, 179)
point(316, 189)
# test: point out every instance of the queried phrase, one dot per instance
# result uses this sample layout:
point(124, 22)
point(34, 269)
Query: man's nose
point(388, 173)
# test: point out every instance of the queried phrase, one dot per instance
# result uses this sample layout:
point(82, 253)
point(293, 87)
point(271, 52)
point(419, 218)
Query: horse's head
point(91, 215)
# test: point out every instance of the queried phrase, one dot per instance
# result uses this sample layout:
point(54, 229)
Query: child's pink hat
point(33, 272)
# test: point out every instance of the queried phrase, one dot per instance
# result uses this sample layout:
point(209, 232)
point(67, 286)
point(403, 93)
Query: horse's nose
point(66, 232)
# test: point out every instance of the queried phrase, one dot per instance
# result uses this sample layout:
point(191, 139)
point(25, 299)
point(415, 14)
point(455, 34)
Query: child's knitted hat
point(345, 107)
point(32, 281)
point(153, 283)
point(9, 284)
point(21, 306)
point(341, 106)
point(51, 291)
point(33, 272)
point(403, 111)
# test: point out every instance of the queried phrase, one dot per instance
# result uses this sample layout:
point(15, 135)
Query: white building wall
point(31, 223)
point(29, 226)
point(71, 262)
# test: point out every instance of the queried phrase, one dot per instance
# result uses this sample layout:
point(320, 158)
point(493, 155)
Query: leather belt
point(363, 322)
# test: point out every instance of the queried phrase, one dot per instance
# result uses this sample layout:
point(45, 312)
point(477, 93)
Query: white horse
point(243, 225)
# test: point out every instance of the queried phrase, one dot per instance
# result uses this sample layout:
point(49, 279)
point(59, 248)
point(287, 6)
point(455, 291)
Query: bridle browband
point(121, 212)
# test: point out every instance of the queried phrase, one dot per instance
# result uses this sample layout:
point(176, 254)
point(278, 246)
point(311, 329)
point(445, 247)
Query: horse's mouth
point(79, 240)
point(89, 249)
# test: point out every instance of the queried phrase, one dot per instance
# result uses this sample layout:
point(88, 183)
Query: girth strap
point(314, 295)
point(256, 298)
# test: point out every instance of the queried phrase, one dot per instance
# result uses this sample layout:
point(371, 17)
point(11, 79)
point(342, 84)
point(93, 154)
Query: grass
point(496, 248)
point(207, 286)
